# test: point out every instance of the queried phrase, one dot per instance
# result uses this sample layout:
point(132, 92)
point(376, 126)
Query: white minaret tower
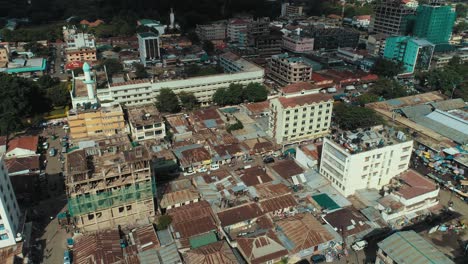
point(88, 80)
point(172, 19)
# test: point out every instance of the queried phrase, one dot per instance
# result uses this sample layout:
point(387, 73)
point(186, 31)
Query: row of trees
point(350, 117)
point(238, 93)
point(451, 80)
point(23, 101)
point(167, 101)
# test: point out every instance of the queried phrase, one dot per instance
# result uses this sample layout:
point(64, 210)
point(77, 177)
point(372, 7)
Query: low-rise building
point(348, 222)
point(368, 159)
point(193, 157)
point(412, 194)
point(151, 23)
point(298, 44)
point(22, 147)
point(279, 206)
point(262, 248)
point(95, 122)
point(303, 235)
point(146, 123)
point(442, 59)
point(409, 247)
point(289, 171)
point(140, 92)
point(218, 252)
point(25, 67)
point(4, 55)
point(239, 218)
point(81, 54)
point(297, 118)
point(285, 70)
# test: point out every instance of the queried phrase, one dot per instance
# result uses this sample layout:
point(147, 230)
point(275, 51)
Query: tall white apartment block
point(365, 159)
point(9, 209)
point(148, 45)
point(299, 118)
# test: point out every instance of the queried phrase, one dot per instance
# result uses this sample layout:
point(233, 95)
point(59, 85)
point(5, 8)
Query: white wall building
point(298, 118)
point(9, 209)
point(146, 123)
point(415, 193)
point(148, 45)
point(372, 163)
point(145, 91)
point(77, 40)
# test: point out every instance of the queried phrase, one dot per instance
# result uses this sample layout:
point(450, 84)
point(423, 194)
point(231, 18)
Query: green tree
point(140, 71)
point(219, 97)
point(236, 126)
point(388, 89)
point(20, 98)
point(58, 95)
point(235, 93)
point(37, 49)
point(460, 27)
point(113, 66)
point(443, 79)
point(255, 92)
point(46, 81)
point(387, 68)
point(167, 101)
point(208, 47)
point(461, 10)
point(163, 222)
point(366, 98)
point(350, 117)
point(188, 100)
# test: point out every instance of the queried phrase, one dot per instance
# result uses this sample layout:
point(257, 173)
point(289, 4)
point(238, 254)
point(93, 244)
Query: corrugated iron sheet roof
point(409, 247)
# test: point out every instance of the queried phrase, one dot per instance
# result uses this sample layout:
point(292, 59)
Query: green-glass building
point(414, 53)
point(434, 23)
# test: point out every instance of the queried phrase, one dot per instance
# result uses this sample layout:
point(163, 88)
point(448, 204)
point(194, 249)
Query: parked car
point(202, 169)
point(318, 259)
point(45, 145)
point(268, 159)
point(52, 152)
point(66, 257)
point(359, 245)
point(214, 166)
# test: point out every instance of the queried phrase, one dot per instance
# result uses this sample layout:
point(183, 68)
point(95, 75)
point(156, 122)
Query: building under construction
point(392, 17)
point(110, 184)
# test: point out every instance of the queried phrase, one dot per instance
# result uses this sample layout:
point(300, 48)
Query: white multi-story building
point(142, 92)
point(9, 210)
point(368, 159)
point(146, 123)
point(77, 40)
point(215, 31)
point(299, 118)
point(148, 45)
point(297, 43)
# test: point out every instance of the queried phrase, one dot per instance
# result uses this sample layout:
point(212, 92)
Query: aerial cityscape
point(233, 131)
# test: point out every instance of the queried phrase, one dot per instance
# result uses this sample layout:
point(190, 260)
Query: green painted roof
point(203, 240)
point(146, 21)
point(28, 69)
point(325, 201)
point(147, 34)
